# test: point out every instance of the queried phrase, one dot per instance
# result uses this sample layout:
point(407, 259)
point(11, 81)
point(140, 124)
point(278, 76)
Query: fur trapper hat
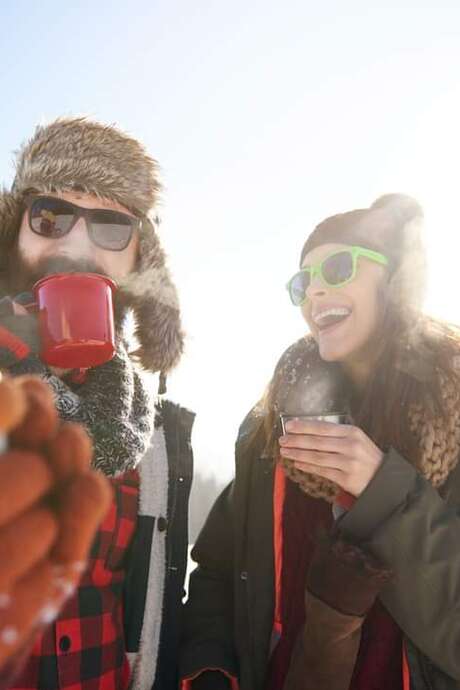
point(84, 155)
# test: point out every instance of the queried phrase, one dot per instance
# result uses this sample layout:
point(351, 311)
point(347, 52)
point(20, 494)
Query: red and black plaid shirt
point(85, 648)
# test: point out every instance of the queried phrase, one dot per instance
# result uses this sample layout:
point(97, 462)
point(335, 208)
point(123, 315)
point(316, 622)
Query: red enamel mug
point(75, 319)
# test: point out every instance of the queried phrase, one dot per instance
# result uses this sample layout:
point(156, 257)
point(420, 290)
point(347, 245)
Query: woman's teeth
point(331, 316)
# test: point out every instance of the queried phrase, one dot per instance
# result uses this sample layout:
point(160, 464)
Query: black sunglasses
point(53, 218)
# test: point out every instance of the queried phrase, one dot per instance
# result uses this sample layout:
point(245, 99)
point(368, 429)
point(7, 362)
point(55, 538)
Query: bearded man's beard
point(21, 275)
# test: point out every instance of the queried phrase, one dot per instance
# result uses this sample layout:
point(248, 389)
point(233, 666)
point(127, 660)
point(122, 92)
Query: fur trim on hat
point(79, 154)
point(76, 153)
point(11, 210)
point(153, 297)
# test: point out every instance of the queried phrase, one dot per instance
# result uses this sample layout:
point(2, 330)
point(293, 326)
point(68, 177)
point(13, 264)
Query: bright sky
point(265, 117)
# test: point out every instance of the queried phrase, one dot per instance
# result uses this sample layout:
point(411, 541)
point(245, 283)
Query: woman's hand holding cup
point(342, 453)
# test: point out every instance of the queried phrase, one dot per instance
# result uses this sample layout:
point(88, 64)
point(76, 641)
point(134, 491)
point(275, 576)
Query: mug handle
point(13, 307)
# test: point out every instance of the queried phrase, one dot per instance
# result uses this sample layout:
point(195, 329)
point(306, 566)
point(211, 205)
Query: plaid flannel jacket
point(85, 648)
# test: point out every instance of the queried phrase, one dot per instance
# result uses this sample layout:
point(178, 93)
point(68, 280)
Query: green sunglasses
point(335, 270)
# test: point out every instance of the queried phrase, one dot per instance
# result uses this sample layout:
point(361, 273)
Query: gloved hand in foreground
point(51, 504)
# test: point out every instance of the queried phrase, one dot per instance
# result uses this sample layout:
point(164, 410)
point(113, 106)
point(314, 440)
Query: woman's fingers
point(316, 428)
point(23, 543)
point(327, 444)
point(314, 458)
point(25, 477)
point(313, 441)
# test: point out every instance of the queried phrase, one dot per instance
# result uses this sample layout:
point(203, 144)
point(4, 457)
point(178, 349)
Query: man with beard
point(81, 201)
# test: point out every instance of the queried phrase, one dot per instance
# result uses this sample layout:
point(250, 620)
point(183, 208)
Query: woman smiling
point(331, 562)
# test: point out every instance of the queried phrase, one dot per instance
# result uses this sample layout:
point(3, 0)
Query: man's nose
point(77, 239)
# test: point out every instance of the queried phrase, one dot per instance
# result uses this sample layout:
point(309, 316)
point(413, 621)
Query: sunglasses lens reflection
point(298, 287)
point(111, 230)
point(51, 217)
point(338, 268)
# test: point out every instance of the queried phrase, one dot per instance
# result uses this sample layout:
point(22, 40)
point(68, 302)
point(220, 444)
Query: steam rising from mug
point(305, 385)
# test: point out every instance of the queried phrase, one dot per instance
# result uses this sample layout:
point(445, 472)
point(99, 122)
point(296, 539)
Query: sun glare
point(429, 169)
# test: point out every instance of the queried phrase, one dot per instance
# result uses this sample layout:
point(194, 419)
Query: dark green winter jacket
point(400, 518)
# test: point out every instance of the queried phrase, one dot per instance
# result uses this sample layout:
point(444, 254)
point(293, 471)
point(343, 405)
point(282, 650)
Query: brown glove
point(51, 504)
point(342, 585)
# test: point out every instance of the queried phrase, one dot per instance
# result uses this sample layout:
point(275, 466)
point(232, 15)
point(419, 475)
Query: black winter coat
point(400, 518)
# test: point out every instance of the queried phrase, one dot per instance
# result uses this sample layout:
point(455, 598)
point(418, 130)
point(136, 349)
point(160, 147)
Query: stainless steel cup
point(334, 418)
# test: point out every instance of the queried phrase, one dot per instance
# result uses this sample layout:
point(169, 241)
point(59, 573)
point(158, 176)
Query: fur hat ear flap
point(152, 295)
point(10, 217)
